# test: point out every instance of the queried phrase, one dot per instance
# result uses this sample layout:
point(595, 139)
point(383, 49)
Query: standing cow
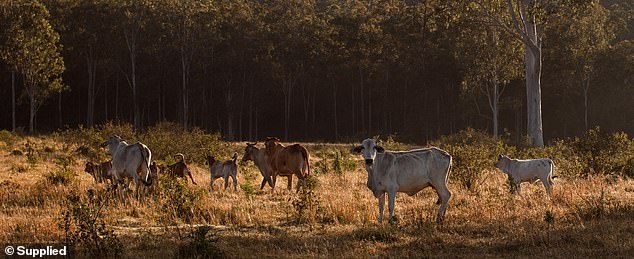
point(287, 161)
point(528, 170)
point(129, 161)
point(408, 172)
point(262, 162)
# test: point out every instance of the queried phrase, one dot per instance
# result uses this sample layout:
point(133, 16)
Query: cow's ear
point(357, 149)
point(379, 149)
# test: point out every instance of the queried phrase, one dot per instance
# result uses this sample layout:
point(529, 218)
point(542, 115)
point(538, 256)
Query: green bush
point(334, 161)
point(84, 225)
point(201, 243)
point(179, 201)
point(606, 153)
point(8, 138)
point(62, 174)
point(307, 203)
point(473, 153)
point(167, 138)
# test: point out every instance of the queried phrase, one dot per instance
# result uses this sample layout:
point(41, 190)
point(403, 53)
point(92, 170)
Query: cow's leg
point(235, 183)
point(381, 205)
point(547, 185)
point(289, 183)
point(443, 196)
point(518, 187)
point(190, 176)
point(300, 182)
point(264, 181)
point(226, 177)
point(391, 198)
point(274, 181)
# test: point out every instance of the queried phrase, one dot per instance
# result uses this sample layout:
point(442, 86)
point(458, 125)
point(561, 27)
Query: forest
point(312, 70)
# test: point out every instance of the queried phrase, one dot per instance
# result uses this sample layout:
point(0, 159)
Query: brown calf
point(99, 171)
point(179, 169)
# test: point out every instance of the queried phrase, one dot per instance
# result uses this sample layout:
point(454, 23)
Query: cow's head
point(271, 143)
point(502, 161)
point(90, 168)
point(368, 149)
point(249, 152)
point(210, 160)
point(111, 144)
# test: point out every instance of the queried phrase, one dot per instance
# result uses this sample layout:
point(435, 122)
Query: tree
point(33, 49)
point(491, 59)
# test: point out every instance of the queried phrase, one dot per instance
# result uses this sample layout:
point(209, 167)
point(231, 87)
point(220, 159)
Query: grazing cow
point(408, 172)
point(287, 161)
point(180, 169)
point(224, 169)
point(99, 171)
point(262, 162)
point(529, 170)
point(129, 161)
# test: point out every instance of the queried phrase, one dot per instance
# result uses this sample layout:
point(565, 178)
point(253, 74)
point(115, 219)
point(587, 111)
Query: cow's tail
point(306, 164)
point(552, 169)
point(147, 157)
point(234, 157)
point(448, 167)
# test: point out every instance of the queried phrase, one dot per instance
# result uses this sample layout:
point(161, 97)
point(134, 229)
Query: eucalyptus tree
point(32, 48)
point(182, 22)
point(132, 15)
point(491, 60)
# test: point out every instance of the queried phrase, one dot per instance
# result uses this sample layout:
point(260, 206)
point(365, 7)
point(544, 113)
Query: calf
point(224, 169)
point(179, 169)
point(528, 170)
point(99, 171)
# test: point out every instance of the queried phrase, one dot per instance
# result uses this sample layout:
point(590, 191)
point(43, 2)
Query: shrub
point(390, 143)
point(334, 161)
point(167, 138)
point(201, 243)
point(307, 203)
point(8, 138)
point(63, 174)
point(180, 202)
point(605, 153)
point(83, 224)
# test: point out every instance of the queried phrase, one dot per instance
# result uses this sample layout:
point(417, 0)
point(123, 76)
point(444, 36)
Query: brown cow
point(99, 171)
point(179, 169)
point(262, 162)
point(287, 160)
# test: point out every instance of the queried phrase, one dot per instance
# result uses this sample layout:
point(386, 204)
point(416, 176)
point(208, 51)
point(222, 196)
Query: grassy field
point(39, 176)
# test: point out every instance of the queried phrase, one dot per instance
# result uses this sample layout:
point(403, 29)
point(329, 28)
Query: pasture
point(44, 194)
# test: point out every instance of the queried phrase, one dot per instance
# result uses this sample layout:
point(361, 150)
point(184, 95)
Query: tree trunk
point(185, 65)
point(33, 110)
point(13, 100)
point(586, 87)
point(534, 96)
point(91, 65)
point(528, 33)
point(334, 104)
point(59, 108)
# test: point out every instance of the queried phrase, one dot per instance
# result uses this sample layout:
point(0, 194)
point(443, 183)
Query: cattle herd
point(389, 172)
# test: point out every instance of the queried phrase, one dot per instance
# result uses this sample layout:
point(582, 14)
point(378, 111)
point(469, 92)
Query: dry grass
point(592, 217)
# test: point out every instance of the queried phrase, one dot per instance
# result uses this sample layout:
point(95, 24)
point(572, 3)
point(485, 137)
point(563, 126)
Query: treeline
point(314, 70)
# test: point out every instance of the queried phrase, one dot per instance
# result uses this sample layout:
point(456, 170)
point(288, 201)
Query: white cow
point(528, 170)
point(128, 161)
point(408, 172)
